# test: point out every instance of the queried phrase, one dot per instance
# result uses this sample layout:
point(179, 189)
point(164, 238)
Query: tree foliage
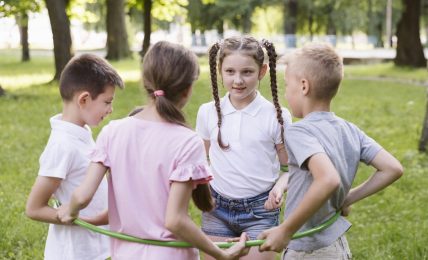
point(14, 7)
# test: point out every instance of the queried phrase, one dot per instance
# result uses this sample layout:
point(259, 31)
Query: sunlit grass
point(389, 225)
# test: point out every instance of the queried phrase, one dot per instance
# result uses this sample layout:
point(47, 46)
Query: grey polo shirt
point(346, 145)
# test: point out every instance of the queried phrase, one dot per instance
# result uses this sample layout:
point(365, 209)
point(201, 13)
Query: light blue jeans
point(231, 217)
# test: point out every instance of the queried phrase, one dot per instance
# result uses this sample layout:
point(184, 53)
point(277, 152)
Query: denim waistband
point(242, 204)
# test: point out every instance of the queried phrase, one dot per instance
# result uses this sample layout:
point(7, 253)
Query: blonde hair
point(321, 65)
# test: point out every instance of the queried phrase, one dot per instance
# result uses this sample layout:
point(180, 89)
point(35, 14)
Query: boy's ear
point(83, 98)
point(305, 86)
point(263, 70)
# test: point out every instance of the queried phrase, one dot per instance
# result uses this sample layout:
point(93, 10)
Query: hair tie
point(158, 93)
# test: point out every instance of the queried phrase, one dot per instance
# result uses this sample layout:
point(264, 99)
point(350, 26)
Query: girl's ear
point(263, 70)
point(83, 98)
point(305, 86)
point(188, 92)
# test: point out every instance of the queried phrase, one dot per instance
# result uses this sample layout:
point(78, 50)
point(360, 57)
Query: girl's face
point(241, 74)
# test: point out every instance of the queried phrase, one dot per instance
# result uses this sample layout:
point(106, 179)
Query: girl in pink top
point(156, 163)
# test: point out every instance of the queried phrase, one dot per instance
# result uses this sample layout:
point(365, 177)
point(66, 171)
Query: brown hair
point(321, 65)
point(246, 45)
point(87, 72)
point(173, 69)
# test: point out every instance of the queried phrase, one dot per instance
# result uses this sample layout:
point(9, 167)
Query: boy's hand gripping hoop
point(182, 244)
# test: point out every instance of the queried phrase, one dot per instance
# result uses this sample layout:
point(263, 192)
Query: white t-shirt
point(66, 156)
point(250, 167)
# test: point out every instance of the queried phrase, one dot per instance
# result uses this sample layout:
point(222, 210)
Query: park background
point(383, 92)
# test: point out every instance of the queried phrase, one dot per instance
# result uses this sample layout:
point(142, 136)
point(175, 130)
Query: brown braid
point(273, 85)
point(213, 72)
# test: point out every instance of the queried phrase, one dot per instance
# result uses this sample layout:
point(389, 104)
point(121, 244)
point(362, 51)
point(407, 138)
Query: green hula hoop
point(249, 243)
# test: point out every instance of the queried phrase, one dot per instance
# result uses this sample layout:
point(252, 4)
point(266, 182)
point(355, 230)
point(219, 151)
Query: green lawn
point(390, 225)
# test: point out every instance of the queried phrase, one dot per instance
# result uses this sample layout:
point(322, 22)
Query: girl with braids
point(156, 164)
point(244, 138)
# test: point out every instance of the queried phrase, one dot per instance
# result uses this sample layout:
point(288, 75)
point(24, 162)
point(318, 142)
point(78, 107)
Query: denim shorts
point(231, 217)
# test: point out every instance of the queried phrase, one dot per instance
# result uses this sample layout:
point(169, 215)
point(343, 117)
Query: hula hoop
point(183, 244)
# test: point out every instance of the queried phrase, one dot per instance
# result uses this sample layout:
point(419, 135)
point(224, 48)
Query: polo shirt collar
point(83, 133)
point(317, 115)
point(251, 109)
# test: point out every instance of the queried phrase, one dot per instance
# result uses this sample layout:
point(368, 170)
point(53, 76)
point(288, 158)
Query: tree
point(20, 9)
point(2, 92)
point(147, 10)
point(60, 25)
point(117, 36)
point(160, 10)
point(423, 141)
point(409, 47)
point(290, 22)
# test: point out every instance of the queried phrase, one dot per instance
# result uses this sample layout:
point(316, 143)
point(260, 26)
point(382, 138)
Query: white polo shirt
point(66, 156)
point(250, 167)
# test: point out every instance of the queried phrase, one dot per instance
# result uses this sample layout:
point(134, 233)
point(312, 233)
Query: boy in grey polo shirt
point(324, 152)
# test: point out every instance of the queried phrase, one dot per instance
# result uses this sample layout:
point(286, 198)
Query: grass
point(389, 225)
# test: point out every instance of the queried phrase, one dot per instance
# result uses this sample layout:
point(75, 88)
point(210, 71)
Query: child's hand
point(64, 215)
point(276, 197)
point(238, 249)
point(275, 239)
point(346, 210)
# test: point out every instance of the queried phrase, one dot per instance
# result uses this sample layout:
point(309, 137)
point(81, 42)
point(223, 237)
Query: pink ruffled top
point(144, 157)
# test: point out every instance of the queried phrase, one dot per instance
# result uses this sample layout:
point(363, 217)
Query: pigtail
point(202, 198)
point(169, 111)
point(273, 84)
point(213, 72)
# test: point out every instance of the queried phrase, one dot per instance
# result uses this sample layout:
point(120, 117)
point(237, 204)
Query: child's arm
point(325, 181)
point(83, 194)
point(37, 203)
point(98, 220)
point(178, 221)
point(276, 195)
point(388, 170)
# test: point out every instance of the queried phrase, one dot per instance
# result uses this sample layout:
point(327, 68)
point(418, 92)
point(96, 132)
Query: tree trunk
point(246, 22)
point(147, 26)
point(409, 47)
point(117, 37)
point(220, 29)
point(290, 23)
point(203, 38)
point(60, 25)
point(423, 141)
point(22, 21)
point(2, 92)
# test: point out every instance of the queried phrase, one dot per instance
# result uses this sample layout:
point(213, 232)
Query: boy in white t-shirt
point(87, 87)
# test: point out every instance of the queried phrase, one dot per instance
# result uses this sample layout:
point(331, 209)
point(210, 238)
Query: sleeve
point(369, 148)
point(202, 122)
point(191, 164)
point(100, 152)
point(286, 116)
point(56, 160)
point(302, 144)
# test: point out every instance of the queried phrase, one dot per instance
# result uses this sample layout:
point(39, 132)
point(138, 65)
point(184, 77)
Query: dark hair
point(87, 72)
point(172, 69)
point(246, 45)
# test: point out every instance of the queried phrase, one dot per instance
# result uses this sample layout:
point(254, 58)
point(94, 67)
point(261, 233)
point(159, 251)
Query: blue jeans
point(231, 217)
